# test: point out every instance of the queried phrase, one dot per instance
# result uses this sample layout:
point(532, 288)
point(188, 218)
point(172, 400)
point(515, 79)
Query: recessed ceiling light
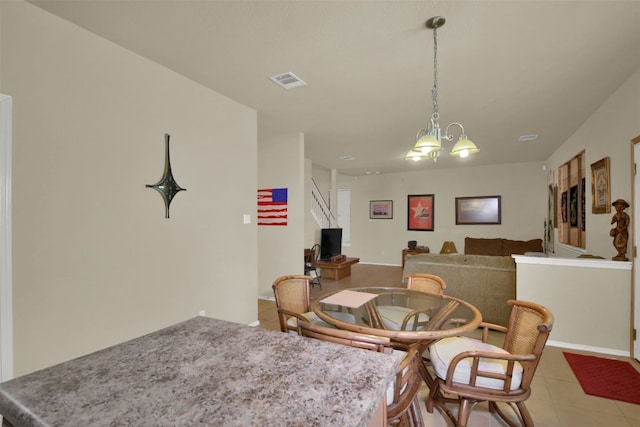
point(288, 80)
point(525, 138)
point(347, 157)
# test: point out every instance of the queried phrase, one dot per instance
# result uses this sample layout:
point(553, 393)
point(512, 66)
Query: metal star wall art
point(167, 186)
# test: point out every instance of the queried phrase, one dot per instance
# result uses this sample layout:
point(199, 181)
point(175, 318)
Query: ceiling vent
point(525, 138)
point(288, 80)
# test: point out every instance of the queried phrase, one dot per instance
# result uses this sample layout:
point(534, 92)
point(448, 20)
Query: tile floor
point(557, 399)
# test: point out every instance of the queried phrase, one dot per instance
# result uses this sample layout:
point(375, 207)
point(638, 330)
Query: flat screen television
point(330, 243)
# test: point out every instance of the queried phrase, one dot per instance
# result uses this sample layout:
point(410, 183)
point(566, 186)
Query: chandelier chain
point(429, 139)
point(434, 90)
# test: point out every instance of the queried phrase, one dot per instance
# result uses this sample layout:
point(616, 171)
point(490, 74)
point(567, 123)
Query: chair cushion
point(314, 319)
point(442, 352)
point(393, 316)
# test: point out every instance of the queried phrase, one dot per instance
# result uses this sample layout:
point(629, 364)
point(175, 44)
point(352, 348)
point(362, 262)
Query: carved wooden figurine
point(620, 234)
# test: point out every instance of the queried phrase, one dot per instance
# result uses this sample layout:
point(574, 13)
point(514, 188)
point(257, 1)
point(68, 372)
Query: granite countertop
point(205, 371)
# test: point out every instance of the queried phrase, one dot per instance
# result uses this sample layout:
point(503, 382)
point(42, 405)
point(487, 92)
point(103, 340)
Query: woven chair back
point(292, 293)
point(527, 333)
point(426, 283)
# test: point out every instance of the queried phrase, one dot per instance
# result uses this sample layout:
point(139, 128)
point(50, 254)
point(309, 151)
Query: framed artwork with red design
point(420, 212)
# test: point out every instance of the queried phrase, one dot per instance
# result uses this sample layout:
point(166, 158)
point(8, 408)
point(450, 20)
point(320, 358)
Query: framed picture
point(573, 206)
point(583, 208)
point(555, 206)
point(478, 210)
point(552, 214)
point(600, 187)
point(381, 209)
point(420, 212)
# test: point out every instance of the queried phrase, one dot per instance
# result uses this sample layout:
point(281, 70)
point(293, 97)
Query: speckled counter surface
point(205, 372)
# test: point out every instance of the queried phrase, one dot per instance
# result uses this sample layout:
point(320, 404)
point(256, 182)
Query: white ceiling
point(505, 68)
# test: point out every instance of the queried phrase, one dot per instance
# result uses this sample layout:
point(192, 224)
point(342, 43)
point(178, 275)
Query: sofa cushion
point(500, 247)
point(478, 246)
point(520, 247)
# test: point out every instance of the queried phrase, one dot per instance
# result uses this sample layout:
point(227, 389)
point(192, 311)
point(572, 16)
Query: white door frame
point(6, 284)
point(344, 214)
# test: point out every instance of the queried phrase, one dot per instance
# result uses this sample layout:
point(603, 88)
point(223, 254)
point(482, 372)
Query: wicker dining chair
point(426, 283)
point(310, 266)
point(402, 395)
point(403, 318)
point(475, 371)
point(293, 303)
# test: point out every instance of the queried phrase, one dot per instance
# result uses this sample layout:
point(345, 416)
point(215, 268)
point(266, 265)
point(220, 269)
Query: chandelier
point(429, 140)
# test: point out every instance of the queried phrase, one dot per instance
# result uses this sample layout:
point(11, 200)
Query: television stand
point(336, 270)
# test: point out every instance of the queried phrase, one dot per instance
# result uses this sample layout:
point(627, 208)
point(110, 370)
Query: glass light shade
point(464, 147)
point(427, 143)
point(416, 155)
point(448, 247)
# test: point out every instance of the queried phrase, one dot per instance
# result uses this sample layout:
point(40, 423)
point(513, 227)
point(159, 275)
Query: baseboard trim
point(602, 350)
point(380, 263)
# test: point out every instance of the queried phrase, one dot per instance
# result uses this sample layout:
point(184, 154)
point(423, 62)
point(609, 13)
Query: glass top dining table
point(403, 315)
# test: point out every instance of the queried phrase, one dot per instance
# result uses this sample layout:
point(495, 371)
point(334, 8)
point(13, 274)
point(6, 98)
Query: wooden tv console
point(336, 270)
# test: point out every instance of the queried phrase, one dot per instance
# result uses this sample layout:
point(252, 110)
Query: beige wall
point(311, 227)
point(322, 178)
point(521, 186)
point(608, 132)
point(587, 316)
point(281, 165)
point(95, 261)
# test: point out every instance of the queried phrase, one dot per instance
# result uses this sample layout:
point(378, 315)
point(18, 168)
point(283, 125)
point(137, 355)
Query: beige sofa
point(500, 247)
point(485, 281)
point(485, 275)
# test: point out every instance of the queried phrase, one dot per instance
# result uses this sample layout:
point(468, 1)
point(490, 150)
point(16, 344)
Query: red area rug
point(609, 378)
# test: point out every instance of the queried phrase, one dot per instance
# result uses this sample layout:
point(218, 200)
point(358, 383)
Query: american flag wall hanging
point(272, 206)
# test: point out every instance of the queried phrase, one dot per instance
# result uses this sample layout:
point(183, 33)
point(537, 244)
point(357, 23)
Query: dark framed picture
point(420, 212)
point(555, 206)
point(583, 210)
point(600, 187)
point(478, 210)
point(381, 209)
point(573, 206)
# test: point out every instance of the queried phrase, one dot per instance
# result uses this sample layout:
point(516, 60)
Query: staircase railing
point(320, 209)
